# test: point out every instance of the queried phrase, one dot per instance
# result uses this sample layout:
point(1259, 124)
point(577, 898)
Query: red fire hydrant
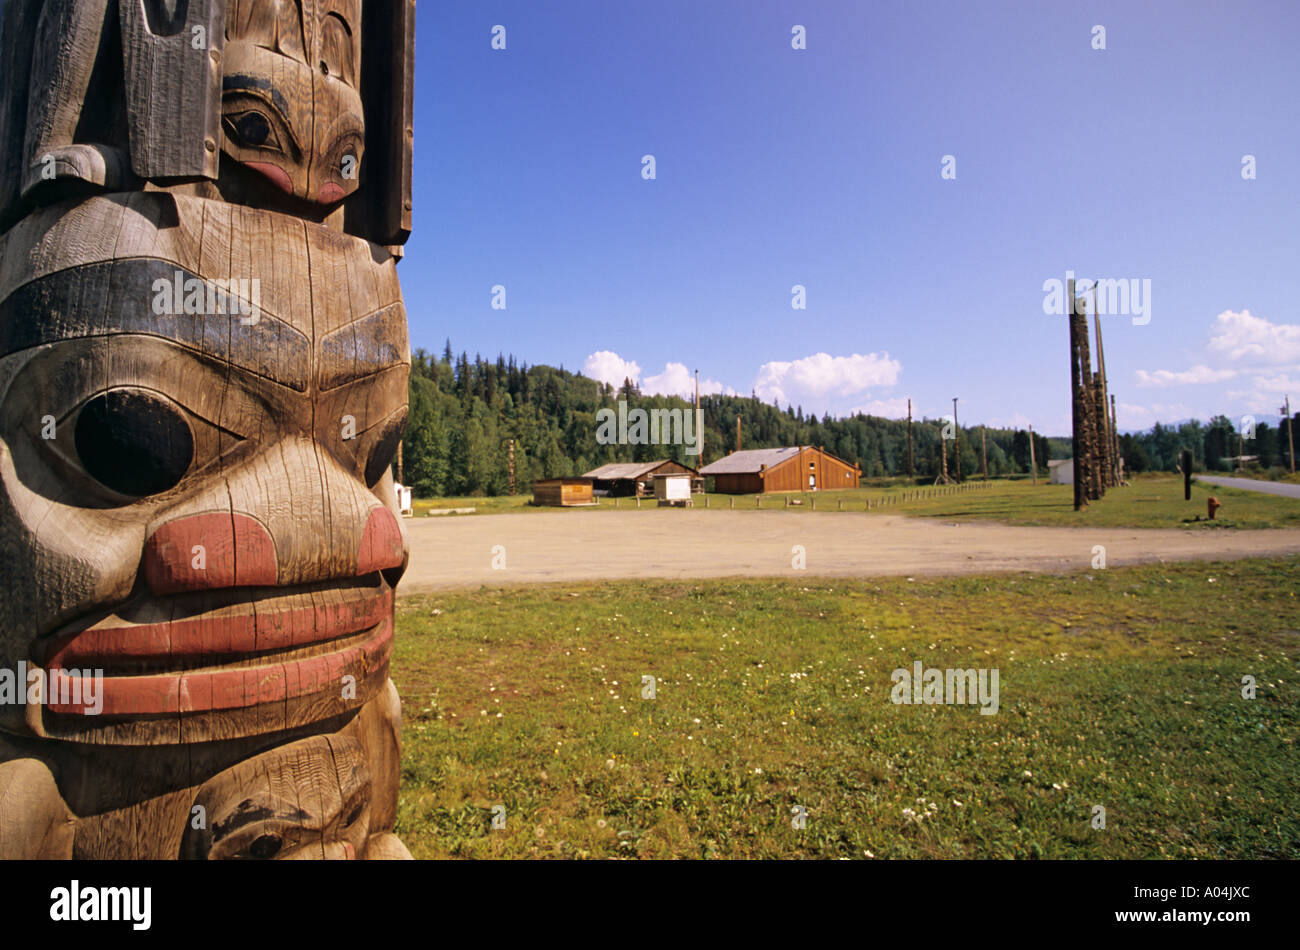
point(1211, 506)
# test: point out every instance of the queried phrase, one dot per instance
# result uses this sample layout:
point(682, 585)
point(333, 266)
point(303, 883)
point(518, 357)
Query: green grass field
point(1154, 501)
point(1119, 688)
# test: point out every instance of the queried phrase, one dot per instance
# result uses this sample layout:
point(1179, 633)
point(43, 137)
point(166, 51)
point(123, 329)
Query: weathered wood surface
point(203, 378)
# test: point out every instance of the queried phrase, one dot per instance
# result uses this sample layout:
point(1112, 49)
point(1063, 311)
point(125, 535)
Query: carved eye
point(134, 441)
point(252, 129)
point(265, 847)
point(353, 815)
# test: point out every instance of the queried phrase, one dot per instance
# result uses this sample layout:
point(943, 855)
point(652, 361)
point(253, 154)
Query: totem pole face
point(201, 500)
point(203, 381)
point(291, 105)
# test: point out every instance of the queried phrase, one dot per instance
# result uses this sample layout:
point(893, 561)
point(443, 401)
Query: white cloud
point(1244, 337)
point(1130, 417)
point(1266, 393)
point(815, 379)
point(677, 380)
point(1261, 356)
point(606, 366)
point(885, 409)
point(1194, 376)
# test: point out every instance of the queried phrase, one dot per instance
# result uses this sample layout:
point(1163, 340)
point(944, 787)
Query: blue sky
point(822, 167)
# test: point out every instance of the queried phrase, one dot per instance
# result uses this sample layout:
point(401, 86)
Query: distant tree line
point(1213, 445)
point(464, 413)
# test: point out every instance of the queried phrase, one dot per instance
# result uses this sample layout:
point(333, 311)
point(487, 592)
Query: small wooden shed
point(563, 492)
point(627, 479)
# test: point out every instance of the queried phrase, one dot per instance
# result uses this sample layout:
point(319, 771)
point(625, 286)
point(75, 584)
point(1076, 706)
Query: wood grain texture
point(171, 59)
point(203, 383)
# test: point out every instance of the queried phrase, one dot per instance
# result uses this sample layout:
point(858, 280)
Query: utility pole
point(984, 452)
point(956, 437)
point(911, 470)
point(512, 466)
point(1290, 436)
point(1114, 434)
point(699, 423)
point(1033, 463)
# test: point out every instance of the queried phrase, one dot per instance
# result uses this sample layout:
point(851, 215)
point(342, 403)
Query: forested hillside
point(465, 412)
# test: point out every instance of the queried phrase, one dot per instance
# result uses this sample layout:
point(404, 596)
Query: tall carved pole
point(203, 384)
point(1077, 402)
point(1088, 398)
point(512, 466)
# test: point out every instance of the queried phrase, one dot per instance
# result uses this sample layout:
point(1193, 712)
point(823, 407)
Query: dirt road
point(674, 543)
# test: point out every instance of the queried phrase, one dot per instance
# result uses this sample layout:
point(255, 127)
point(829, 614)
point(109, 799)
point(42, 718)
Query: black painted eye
point(381, 456)
point(353, 815)
point(265, 847)
point(134, 441)
point(252, 128)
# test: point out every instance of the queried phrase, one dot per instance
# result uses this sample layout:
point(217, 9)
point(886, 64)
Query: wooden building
point(624, 479)
point(563, 492)
point(793, 468)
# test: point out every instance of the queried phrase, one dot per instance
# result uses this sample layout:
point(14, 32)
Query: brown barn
point(563, 492)
point(794, 468)
point(638, 478)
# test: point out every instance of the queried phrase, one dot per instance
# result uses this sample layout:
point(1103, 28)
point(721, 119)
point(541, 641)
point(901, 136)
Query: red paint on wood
point(241, 688)
point(236, 551)
point(381, 543)
point(218, 637)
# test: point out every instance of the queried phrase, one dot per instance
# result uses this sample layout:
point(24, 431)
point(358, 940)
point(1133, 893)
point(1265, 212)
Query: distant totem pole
point(1095, 439)
point(203, 381)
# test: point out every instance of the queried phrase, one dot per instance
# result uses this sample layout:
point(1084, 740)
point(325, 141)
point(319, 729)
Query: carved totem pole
point(203, 381)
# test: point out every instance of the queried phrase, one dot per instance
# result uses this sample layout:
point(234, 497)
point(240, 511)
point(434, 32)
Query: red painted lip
point(275, 174)
point(183, 654)
point(330, 193)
